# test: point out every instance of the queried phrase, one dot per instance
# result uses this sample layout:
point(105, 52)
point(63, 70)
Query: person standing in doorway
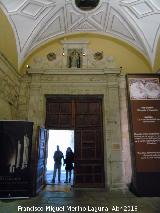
point(69, 164)
point(58, 156)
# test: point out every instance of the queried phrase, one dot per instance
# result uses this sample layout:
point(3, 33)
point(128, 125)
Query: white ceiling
point(36, 21)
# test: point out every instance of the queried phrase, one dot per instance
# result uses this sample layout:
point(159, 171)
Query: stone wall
point(38, 83)
point(23, 98)
point(9, 90)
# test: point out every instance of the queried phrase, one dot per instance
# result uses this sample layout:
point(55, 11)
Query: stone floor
point(86, 200)
point(49, 177)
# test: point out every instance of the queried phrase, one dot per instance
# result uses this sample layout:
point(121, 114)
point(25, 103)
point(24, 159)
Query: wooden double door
point(83, 114)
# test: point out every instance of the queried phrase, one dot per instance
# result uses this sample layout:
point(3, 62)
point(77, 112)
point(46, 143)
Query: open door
point(41, 159)
point(83, 114)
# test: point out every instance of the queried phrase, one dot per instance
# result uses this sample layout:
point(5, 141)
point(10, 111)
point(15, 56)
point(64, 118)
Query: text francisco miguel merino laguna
point(62, 209)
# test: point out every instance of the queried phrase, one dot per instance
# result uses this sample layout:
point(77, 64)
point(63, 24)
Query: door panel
point(89, 165)
point(41, 159)
point(84, 115)
point(59, 114)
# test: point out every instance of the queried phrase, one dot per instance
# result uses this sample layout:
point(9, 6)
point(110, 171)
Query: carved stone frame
point(78, 45)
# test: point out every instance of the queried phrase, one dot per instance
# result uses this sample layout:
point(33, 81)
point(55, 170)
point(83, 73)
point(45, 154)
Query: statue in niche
point(74, 58)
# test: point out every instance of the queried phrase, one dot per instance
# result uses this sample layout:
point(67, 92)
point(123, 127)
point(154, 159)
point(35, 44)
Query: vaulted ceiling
point(34, 22)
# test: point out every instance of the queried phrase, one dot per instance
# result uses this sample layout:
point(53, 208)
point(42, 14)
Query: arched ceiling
point(8, 48)
point(36, 21)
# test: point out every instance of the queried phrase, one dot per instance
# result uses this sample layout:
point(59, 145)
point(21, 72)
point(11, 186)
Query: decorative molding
point(84, 25)
point(75, 72)
point(149, 34)
point(156, 4)
point(60, 64)
point(32, 9)
point(142, 9)
point(98, 17)
point(45, 20)
point(54, 26)
point(119, 26)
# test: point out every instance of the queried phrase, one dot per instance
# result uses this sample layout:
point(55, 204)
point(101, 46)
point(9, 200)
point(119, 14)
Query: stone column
point(24, 98)
point(113, 135)
point(35, 101)
point(35, 104)
point(126, 154)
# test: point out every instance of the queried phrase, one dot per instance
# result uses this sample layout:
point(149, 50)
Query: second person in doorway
point(69, 164)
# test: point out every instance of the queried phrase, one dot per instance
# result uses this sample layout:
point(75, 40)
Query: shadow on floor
point(58, 187)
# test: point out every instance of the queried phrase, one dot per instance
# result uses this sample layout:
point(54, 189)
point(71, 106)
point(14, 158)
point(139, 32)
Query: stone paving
point(86, 200)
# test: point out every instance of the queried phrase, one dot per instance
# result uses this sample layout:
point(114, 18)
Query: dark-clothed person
point(58, 155)
point(69, 163)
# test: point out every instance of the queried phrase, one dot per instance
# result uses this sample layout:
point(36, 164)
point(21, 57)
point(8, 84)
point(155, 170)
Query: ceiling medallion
point(86, 4)
point(51, 56)
point(98, 56)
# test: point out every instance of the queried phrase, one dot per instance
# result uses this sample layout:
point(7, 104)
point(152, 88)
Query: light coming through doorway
point(65, 139)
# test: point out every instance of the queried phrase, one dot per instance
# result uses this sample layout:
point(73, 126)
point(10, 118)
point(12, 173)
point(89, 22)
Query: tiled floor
point(85, 200)
point(64, 198)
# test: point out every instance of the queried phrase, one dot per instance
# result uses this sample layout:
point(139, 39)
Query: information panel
point(15, 157)
point(144, 101)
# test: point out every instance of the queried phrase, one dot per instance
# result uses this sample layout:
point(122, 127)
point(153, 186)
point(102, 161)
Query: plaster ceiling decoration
point(35, 22)
point(55, 26)
point(32, 10)
point(145, 15)
point(98, 17)
point(118, 26)
point(156, 3)
point(85, 25)
point(73, 18)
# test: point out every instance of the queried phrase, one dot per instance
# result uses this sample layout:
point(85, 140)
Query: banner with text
point(15, 158)
point(144, 101)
